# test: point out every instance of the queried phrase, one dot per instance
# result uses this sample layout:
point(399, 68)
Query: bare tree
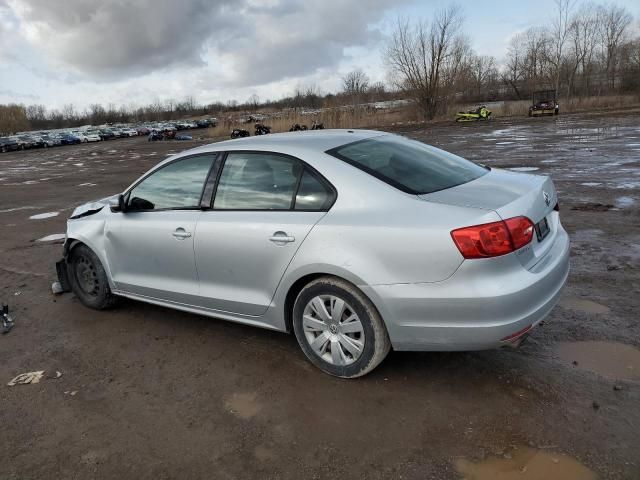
point(514, 66)
point(558, 35)
point(614, 20)
point(583, 38)
point(253, 102)
point(355, 84)
point(13, 118)
point(482, 70)
point(420, 57)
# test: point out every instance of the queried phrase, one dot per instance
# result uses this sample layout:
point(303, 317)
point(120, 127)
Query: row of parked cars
point(46, 139)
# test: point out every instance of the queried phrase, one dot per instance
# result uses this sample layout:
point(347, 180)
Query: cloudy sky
point(135, 52)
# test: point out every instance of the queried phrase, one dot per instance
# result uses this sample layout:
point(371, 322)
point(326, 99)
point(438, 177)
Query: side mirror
point(118, 204)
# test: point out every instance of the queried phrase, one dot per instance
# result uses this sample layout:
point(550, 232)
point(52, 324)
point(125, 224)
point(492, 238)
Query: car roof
point(312, 140)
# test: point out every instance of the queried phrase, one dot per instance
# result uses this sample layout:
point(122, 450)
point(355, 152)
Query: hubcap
point(333, 330)
point(87, 276)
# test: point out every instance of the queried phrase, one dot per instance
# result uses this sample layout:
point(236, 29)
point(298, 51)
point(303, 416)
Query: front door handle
point(282, 237)
point(181, 233)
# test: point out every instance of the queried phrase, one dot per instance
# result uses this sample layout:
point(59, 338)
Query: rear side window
point(312, 194)
point(408, 165)
point(257, 181)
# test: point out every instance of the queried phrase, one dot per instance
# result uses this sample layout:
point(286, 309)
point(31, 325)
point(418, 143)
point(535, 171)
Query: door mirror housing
point(118, 204)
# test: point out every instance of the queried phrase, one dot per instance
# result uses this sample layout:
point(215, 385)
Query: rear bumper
point(485, 304)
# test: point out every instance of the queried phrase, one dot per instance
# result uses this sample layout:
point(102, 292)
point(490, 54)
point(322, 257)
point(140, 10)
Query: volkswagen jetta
point(356, 241)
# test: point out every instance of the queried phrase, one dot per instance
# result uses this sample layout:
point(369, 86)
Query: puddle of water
point(52, 238)
point(609, 359)
point(584, 305)
point(591, 184)
point(243, 405)
point(79, 164)
point(88, 184)
point(504, 143)
point(623, 202)
point(40, 216)
point(523, 169)
point(628, 185)
point(525, 464)
point(549, 161)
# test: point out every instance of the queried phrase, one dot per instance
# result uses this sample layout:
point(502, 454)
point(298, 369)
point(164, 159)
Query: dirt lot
point(150, 393)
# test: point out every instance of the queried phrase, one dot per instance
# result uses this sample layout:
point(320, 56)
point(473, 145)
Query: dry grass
point(368, 118)
point(334, 118)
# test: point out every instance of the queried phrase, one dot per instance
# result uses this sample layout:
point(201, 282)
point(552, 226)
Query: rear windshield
point(408, 165)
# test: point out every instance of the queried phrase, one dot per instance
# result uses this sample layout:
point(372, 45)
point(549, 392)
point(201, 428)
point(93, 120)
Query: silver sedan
point(356, 241)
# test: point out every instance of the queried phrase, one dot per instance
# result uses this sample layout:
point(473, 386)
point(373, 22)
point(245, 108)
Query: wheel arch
point(297, 285)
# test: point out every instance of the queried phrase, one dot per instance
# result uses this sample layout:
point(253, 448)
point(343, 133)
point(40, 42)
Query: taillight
point(521, 230)
point(493, 239)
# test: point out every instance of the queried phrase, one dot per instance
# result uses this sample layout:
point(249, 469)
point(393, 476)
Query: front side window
point(257, 181)
point(408, 165)
point(177, 186)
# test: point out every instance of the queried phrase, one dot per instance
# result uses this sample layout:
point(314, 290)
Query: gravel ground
point(147, 392)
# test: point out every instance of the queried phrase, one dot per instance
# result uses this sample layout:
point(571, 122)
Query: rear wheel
point(89, 279)
point(339, 329)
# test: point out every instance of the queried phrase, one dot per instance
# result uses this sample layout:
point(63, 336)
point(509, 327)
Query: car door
point(150, 245)
point(265, 204)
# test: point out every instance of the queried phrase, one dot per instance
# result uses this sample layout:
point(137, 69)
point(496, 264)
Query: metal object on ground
point(7, 321)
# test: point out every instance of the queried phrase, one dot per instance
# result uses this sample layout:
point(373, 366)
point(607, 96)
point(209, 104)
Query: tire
point(89, 280)
point(366, 339)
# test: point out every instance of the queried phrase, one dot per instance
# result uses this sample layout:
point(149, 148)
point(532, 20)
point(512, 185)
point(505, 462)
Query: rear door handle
point(181, 233)
point(282, 237)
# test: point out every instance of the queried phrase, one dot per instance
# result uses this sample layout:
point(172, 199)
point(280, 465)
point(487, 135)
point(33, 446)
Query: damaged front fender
point(92, 208)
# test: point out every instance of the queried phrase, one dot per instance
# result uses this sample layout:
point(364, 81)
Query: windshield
point(408, 165)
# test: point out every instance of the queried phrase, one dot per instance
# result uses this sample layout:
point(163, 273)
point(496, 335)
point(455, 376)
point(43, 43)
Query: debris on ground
point(27, 378)
point(56, 288)
point(7, 321)
point(33, 377)
point(617, 388)
point(71, 392)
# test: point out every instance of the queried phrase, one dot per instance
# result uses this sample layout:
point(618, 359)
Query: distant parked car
point(51, 140)
point(92, 136)
point(106, 134)
point(8, 144)
point(143, 131)
point(130, 132)
point(68, 139)
point(81, 136)
point(31, 141)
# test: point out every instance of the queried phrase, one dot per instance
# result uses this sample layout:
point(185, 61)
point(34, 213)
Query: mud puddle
point(583, 305)
point(243, 405)
point(609, 359)
point(525, 464)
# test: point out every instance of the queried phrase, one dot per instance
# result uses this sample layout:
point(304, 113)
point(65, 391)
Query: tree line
point(582, 51)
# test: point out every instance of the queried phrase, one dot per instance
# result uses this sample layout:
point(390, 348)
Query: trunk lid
point(510, 194)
